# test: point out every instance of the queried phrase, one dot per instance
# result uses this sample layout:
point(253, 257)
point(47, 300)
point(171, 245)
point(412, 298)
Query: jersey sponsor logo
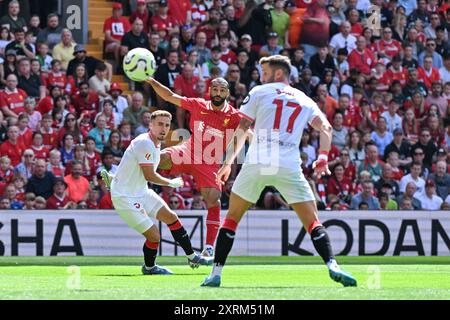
point(280, 91)
point(148, 156)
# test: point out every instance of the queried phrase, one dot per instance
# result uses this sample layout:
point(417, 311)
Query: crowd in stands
point(383, 82)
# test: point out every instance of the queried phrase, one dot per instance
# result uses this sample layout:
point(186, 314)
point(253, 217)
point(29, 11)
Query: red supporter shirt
point(53, 79)
point(41, 153)
point(391, 48)
point(228, 57)
point(26, 137)
point(428, 79)
point(159, 23)
point(145, 17)
point(94, 162)
point(118, 27)
point(363, 62)
point(178, 10)
point(91, 104)
point(187, 87)
point(356, 29)
point(350, 172)
point(13, 151)
point(55, 202)
point(14, 100)
point(352, 116)
point(58, 171)
point(50, 139)
point(400, 75)
point(339, 188)
point(106, 202)
point(209, 126)
point(304, 3)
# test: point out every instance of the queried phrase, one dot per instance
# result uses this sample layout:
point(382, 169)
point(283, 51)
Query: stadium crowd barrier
point(260, 233)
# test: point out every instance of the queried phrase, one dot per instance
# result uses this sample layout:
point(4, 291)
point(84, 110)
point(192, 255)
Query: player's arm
point(321, 124)
point(152, 176)
point(164, 92)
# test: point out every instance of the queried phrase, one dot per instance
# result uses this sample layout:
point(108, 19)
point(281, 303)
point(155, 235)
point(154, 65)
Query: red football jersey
point(209, 127)
point(41, 152)
point(118, 27)
point(14, 100)
point(53, 79)
point(50, 139)
point(13, 151)
point(94, 162)
point(391, 49)
point(26, 137)
point(55, 203)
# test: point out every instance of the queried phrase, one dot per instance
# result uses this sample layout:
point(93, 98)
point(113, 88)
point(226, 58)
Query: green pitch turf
point(243, 278)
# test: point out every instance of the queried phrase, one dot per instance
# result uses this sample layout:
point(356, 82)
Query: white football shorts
point(137, 211)
point(291, 183)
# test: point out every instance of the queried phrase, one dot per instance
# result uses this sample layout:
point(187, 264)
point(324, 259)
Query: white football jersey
point(129, 180)
point(280, 114)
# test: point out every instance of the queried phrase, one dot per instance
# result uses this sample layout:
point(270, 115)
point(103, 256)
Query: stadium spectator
point(143, 14)
point(30, 82)
point(431, 51)
point(40, 151)
point(386, 203)
point(79, 155)
point(340, 133)
point(271, 47)
point(340, 185)
point(93, 157)
point(343, 39)
point(429, 199)
point(365, 196)
point(12, 98)
point(98, 83)
point(427, 145)
point(170, 195)
point(427, 74)
point(133, 114)
point(413, 176)
point(12, 147)
point(63, 50)
point(107, 162)
point(100, 133)
point(441, 179)
point(145, 122)
point(387, 178)
point(135, 38)
point(77, 185)
point(42, 181)
point(115, 146)
point(59, 199)
point(371, 162)
point(362, 58)
point(115, 28)
point(400, 146)
point(13, 19)
point(80, 56)
point(381, 136)
point(26, 167)
point(436, 97)
point(51, 34)
point(86, 100)
point(444, 72)
point(19, 46)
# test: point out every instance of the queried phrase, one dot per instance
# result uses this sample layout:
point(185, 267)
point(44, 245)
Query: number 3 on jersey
point(297, 109)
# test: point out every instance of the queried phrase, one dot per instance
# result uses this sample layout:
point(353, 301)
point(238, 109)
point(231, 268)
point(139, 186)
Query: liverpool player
point(280, 114)
point(201, 155)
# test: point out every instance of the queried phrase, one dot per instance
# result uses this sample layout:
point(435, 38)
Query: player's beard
point(218, 103)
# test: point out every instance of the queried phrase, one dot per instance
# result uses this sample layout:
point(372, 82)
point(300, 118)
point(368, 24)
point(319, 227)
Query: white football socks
point(217, 270)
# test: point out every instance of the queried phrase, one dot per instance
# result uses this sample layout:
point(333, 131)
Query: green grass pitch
point(243, 278)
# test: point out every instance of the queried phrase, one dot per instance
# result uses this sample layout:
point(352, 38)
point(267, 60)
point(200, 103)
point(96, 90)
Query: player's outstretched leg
point(211, 197)
point(181, 236)
point(150, 250)
point(307, 212)
point(225, 239)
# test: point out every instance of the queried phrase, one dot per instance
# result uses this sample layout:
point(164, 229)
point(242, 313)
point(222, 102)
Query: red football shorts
point(204, 174)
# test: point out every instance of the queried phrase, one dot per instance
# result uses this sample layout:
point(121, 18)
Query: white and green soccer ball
point(139, 64)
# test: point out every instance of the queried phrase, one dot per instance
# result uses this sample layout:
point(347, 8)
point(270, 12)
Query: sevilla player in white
point(136, 203)
point(279, 113)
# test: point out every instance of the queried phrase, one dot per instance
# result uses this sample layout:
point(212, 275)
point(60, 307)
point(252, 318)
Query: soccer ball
point(139, 64)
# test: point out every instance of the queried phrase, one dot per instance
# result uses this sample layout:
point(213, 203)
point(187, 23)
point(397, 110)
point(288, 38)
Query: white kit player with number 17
point(279, 113)
point(137, 204)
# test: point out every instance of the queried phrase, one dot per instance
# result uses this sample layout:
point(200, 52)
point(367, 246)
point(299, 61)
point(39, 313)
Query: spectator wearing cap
point(366, 195)
point(427, 73)
point(215, 61)
point(280, 23)
point(115, 28)
point(42, 181)
point(135, 38)
point(444, 72)
point(162, 20)
point(343, 39)
point(362, 58)
point(98, 83)
point(21, 48)
point(77, 185)
point(427, 145)
point(245, 43)
point(429, 199)
point(315, 30)
point(394, 121)
point(401, 147)
point(272, 47)
point(59, 199)
point(13, 20)
point(63, 51)
point(120, 103)
point(430, 50)
point(441, 179)
point(142, 13)
point(80, 57)
point(12, 98)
